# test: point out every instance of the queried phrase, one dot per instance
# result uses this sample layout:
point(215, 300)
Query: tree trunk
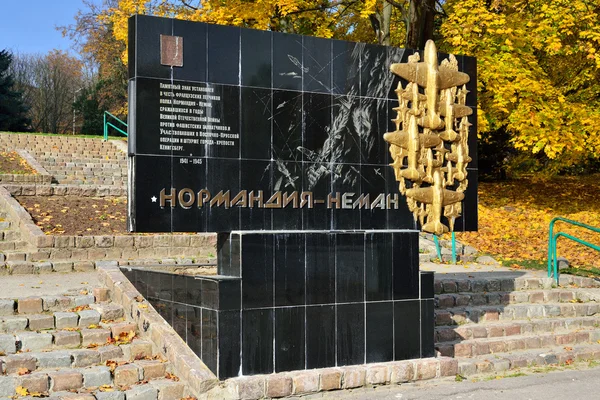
point(419, 23)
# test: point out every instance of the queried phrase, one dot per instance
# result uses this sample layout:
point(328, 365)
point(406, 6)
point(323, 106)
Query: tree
point(88, 107)
point(94, 37)
point(12, 110)
point(50, 83)
point(538, 73)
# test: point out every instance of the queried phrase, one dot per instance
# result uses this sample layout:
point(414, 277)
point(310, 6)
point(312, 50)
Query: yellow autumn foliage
point(538, 71)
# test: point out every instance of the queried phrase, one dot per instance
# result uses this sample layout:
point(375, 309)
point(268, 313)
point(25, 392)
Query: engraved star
point(153, 198)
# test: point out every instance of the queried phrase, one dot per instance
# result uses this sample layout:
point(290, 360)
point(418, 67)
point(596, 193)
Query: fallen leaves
point(23, 371)
point(80, 308)
point(514, 218)
point(113, 364)
point(172, 377)
point(123, 338)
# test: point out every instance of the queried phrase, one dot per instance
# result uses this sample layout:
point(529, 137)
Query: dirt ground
point(72, 215)
point(12, 163)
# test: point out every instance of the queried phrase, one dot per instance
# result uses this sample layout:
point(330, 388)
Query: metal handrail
point(108, 123)
point(439, 249)
point(552, 238)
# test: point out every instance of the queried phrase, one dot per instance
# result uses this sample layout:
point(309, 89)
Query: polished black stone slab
point(299, 300)
point(266, 111)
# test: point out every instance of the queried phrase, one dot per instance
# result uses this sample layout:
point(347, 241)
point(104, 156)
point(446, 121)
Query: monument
point(276, 142)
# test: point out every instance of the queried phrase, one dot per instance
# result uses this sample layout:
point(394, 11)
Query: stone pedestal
point(287, 301)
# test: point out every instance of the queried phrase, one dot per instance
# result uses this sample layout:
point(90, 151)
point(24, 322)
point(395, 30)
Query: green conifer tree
point(13, 113)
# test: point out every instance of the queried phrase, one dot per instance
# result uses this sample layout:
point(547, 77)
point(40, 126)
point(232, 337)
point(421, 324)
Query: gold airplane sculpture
point(425, 147)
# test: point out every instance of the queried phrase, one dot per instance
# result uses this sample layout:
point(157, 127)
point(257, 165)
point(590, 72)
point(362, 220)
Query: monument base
point(286, 301)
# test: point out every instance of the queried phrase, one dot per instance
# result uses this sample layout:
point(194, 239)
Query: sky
point(28, 26)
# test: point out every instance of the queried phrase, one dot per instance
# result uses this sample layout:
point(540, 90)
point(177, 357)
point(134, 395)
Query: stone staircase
point(72, 160)
point(78, 346)
point(18, 256)
point(498, 324)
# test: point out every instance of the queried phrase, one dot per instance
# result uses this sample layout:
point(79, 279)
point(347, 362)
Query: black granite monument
point(276, 142)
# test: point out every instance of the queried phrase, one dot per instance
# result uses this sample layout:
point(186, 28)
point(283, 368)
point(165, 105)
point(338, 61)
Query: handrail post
point(453, 248)
point(105, 128)
point(437, 247)
point(552, 240)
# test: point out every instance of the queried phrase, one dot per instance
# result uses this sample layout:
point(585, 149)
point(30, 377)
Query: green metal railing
point(107, 124)
point(552, 258)
point(439, 249)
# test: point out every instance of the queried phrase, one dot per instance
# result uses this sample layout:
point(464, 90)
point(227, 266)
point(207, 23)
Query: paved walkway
point(52, 284)
point(569, 384)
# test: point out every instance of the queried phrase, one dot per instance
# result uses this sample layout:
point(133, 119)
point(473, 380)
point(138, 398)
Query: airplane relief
point(430, 144)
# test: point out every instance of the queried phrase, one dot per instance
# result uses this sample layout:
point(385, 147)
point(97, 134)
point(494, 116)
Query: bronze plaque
point(171, 50)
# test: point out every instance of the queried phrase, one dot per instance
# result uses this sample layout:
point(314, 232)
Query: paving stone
point(88, 317)
point(94, 336)
point(168, 389)
point(30, 305)
point(14, 362)
point(250, 388)
point(401, 372)
point(151, 369)
point(62, 266)
point(279, 386)
point(142, 392)
point(33, 341)
point(37, 382)
point(330, 380)
point(376, 374)
point(96, 377)
point(64, 320)
point(83, 266)
point(110, 312)
point(109, 353)
point(65, 380)
point(20, 267)
point(7, 307)
point(101, 294)
point(41, 322)
point(115, 395)
point(126, 375)
point(426, 369)
point(83, 300)
point(57, 303)
point(138, 349)
point(467, 368)
point(85, 358)
point(7, 386)
point(305, 382)
point(123, 327)
point(53, 359)
point(353, 377)
point(67, 339)
point(8, 344)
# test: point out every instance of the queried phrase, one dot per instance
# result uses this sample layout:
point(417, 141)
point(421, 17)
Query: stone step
point(31, 307)
point(64, 264)
point(486, 314)
point(107, 369)
point(10, 235)
point(444, 334)
point(81, 317)
point(502, 362)
point(153, 389)
point(467, 299)
point(479, 347)
point(444, 285)
point(70, 334)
